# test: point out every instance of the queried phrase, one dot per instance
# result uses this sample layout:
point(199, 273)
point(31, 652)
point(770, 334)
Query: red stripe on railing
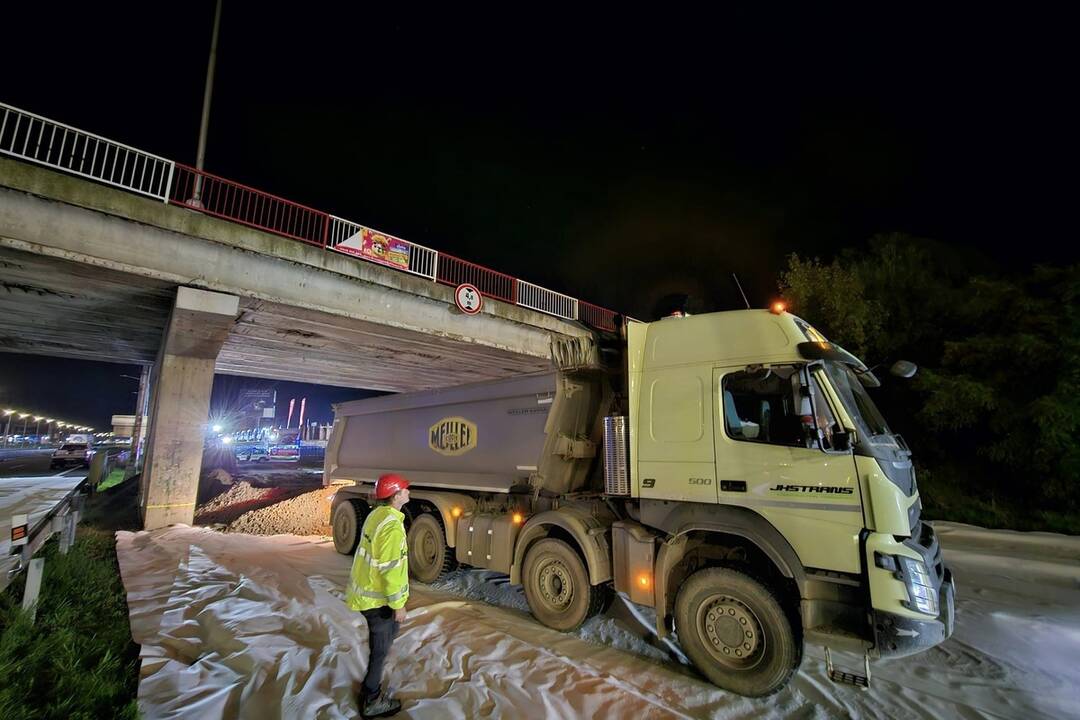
point(596, 316)
point(492, 283)
point(233, 201)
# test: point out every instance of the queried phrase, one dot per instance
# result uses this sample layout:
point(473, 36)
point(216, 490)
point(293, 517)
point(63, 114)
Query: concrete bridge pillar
point(197, 329)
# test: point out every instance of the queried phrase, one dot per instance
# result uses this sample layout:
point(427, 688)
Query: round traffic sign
point(468, 299)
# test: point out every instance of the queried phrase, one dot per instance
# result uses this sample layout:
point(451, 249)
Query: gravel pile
point(234, 502)
point(302, 515)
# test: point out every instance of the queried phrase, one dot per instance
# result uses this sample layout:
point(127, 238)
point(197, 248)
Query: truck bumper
point(898, 635)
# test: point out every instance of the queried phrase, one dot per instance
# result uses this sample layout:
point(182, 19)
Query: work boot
point(380, 705)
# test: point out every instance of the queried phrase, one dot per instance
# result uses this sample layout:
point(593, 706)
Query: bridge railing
point(546, 301)
point(230, 200)
point(455, 271)
point(597, 316)
point(38, 139)
point(362, 242)
point(29, 136)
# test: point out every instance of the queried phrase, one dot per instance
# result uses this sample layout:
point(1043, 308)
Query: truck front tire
point(430, 557)
point(736, 633)
point(348, 519)
point(557, 586)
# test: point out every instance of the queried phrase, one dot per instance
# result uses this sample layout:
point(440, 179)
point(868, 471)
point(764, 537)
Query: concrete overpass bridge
point(241, 283)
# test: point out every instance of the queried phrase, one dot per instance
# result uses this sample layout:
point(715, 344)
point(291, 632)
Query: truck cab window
point(765, 406)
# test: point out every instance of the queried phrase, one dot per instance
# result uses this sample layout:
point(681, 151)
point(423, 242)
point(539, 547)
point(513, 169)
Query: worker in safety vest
point(379, 586)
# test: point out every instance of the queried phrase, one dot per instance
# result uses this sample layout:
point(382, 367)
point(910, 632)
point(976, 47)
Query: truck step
point(847, 678)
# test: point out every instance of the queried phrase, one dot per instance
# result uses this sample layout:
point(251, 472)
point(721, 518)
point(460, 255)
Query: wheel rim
point(556, 585)
point(731, 632)
point(342, 529)
point(425, 549)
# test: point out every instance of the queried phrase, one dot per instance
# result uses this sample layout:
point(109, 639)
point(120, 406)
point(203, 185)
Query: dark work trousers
point(382, 629)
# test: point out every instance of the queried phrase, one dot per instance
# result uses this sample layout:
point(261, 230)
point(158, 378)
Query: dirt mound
point(304, 514)
point(234, 502)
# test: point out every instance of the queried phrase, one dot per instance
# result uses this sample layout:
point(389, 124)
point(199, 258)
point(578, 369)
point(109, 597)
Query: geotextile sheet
point(237, 626)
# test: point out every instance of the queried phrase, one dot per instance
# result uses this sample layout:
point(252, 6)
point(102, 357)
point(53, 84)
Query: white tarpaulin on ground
point(236, 626)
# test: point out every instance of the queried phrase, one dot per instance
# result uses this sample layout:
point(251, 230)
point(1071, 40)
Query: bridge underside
point(52, 306)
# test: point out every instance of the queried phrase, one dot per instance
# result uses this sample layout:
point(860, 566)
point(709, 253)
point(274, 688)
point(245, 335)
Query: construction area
point(253, 626)
point(243, 616)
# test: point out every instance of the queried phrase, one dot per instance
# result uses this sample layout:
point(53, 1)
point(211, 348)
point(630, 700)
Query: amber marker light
point(456, 512)
point(777, 307)
point(518, 518)
point(644, 580)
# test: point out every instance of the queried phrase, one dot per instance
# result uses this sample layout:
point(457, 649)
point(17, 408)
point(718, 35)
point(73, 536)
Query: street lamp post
point(22, 435)
point(200, 155)
point(37, 430)
point(7, 430)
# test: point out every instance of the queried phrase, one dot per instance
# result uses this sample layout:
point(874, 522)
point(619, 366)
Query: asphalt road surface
point(30, 463)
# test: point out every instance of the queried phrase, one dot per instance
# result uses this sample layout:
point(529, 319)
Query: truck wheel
point(348, 519)
point(557, 586)
point(736, 633)
point(430, 557)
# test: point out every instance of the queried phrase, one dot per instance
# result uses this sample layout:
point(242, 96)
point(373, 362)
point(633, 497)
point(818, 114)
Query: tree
point(833, 299)
point(996, 397)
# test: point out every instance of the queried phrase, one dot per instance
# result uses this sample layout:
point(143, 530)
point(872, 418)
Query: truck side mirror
point(903, 369)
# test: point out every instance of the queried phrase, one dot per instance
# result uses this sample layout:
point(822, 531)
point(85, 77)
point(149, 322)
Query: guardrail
point(37, 139)
point(455, 271)
point(213, 195)
point(28, 539)
point(348, 237)
point(546, 301)
point(597, 316)
point(29, 136)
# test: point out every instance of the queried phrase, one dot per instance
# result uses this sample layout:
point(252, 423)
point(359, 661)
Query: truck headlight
point(920, 588)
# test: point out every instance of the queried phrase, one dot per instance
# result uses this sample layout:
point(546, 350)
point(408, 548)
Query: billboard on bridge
point(377, 247)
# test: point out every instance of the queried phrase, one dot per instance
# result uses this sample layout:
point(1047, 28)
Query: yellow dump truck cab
point(753, 443)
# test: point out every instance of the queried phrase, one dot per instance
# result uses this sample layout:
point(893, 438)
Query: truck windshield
point(856, 399)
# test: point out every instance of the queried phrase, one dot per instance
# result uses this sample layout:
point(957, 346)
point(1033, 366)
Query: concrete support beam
point(198, 326)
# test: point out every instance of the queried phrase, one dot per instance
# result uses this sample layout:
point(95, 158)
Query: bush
point(77, 659)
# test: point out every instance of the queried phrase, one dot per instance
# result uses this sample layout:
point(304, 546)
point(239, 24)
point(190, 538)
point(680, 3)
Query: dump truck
point(729, 470)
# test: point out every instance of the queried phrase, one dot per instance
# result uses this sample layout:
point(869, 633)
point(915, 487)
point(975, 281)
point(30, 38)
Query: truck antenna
point(739, 285)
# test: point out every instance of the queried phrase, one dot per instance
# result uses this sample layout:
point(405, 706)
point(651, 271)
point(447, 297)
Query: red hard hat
point(389, 484)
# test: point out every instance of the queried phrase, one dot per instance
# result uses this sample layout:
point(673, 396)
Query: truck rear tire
point(348, 519)
point(430, 557)
point(557, 586)
point(736, 633)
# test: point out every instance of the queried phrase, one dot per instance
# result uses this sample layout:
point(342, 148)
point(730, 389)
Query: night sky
point(616, 157)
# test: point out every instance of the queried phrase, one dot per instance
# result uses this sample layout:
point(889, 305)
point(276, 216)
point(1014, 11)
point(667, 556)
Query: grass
point(77, 659)
point(115, 478)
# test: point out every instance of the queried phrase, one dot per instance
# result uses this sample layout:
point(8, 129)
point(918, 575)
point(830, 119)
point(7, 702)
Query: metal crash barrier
point(27, 539)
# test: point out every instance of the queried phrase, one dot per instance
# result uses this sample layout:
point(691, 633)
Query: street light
point(24, 417)
point(37, 429)
point(7, 430)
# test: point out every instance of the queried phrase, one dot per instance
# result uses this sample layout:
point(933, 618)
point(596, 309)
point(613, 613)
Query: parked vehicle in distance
point(72, 454)
point(252, 454)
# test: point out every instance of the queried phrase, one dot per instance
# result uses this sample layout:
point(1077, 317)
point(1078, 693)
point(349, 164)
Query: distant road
point(29, 463)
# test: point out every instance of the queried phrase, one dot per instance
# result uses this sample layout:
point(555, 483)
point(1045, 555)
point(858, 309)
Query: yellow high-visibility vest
point(380, 569)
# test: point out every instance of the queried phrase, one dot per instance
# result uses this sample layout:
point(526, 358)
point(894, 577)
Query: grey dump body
point(525, 433)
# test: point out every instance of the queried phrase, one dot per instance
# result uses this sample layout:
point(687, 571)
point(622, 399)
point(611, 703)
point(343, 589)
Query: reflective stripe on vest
point(379, 574)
